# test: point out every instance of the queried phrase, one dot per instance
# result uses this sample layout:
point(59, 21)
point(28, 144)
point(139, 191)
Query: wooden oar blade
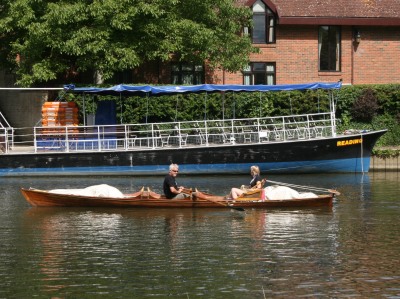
point(208, 197)
point(187, 191)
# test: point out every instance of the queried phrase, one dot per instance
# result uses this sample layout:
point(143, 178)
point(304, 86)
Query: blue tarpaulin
point(132, 90)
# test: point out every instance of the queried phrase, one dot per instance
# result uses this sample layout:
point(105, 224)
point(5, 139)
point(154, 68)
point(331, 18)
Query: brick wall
point(375, 60)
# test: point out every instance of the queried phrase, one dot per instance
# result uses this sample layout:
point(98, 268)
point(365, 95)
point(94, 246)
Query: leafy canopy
point(57, 39)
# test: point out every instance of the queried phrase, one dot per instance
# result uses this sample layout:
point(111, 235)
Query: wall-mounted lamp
point(357, 36)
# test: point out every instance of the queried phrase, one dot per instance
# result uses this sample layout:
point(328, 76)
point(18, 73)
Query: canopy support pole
point(147, 106)
point(176, 108)
point(223, 105)
point(205, 106)
point(333, 111)
point(120, 105)
point(84, 110)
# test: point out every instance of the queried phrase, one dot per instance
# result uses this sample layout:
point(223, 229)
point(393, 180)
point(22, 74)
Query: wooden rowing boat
point(150, 199)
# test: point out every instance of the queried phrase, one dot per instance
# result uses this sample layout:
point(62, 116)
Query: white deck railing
point(6, 135)
point(181, 134)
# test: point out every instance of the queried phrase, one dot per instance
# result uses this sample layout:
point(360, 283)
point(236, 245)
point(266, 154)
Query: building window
point(263, 31)
point(121, 77)
point(329, 48)
point(259, 73)
point(191, 74)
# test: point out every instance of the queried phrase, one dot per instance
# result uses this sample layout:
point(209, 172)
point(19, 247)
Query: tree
point(365, 107)
point(45, 40)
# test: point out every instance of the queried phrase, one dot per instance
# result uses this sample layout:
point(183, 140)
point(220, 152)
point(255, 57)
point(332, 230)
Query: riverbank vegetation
point(66, 41)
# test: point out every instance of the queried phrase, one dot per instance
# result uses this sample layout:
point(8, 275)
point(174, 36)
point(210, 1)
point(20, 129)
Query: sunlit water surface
point(349, 251)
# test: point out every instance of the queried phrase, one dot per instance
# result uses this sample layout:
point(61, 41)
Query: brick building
point(300, 41)
point(357, 41)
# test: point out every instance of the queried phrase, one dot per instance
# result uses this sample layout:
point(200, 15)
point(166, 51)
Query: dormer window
point(263, 31)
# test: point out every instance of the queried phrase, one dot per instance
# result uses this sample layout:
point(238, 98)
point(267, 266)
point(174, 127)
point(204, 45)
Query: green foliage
point(345, 99)
point(380, 122)
point(365, 107)
point(58, 40)
point(388, 100)
point(388, 97)
point(386, 153)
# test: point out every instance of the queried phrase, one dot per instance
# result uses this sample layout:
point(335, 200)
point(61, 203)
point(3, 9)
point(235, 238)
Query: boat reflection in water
point(87, 249)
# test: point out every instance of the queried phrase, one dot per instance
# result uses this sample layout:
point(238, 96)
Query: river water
point(349, 251)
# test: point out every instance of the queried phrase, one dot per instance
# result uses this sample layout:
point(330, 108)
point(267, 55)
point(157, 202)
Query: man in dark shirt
point(170, 187)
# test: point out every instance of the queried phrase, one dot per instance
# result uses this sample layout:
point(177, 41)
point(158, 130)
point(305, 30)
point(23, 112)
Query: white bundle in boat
point(102, 190)
point(282, 192)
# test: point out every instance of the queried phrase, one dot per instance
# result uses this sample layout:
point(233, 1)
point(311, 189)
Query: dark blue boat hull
point(343, 154)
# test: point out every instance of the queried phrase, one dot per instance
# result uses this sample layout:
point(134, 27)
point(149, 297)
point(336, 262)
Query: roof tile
point(339, 8)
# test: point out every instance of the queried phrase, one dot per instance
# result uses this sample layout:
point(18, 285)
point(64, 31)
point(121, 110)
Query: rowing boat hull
point(41, 198)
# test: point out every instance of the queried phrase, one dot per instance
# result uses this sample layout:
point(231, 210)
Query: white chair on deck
point(278, 133)
point(246, 135)
point(132, 141)
point(263, 135)
point(164, 139)
point(183, 139)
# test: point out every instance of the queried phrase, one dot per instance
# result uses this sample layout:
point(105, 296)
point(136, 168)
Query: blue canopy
point(131, 90)
point(114, 90)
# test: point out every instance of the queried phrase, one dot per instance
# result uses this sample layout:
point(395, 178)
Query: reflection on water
point(348, 251)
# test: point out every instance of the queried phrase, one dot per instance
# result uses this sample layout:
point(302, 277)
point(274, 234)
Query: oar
point(310, 188)
point(136, 194)
point(152, 194)
point(222, 204)
point(188, 192)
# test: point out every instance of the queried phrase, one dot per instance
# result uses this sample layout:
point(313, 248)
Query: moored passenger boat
point(297, 143)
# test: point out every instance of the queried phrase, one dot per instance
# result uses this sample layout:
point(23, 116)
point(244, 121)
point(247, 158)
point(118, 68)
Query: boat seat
point(164, 139)
point(183, 139)
point(277, 133)
point(246, 135)
point(228, 138)
point(132, 140)
point(200, 136)
point(301, 132)
point(264, 135)
point(318, 131)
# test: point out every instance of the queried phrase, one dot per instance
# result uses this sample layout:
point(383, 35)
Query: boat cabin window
point(191, 74)
point(259, 73)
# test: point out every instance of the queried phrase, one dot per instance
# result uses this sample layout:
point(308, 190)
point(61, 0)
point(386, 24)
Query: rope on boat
point(309, 188)
point(362, 154)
